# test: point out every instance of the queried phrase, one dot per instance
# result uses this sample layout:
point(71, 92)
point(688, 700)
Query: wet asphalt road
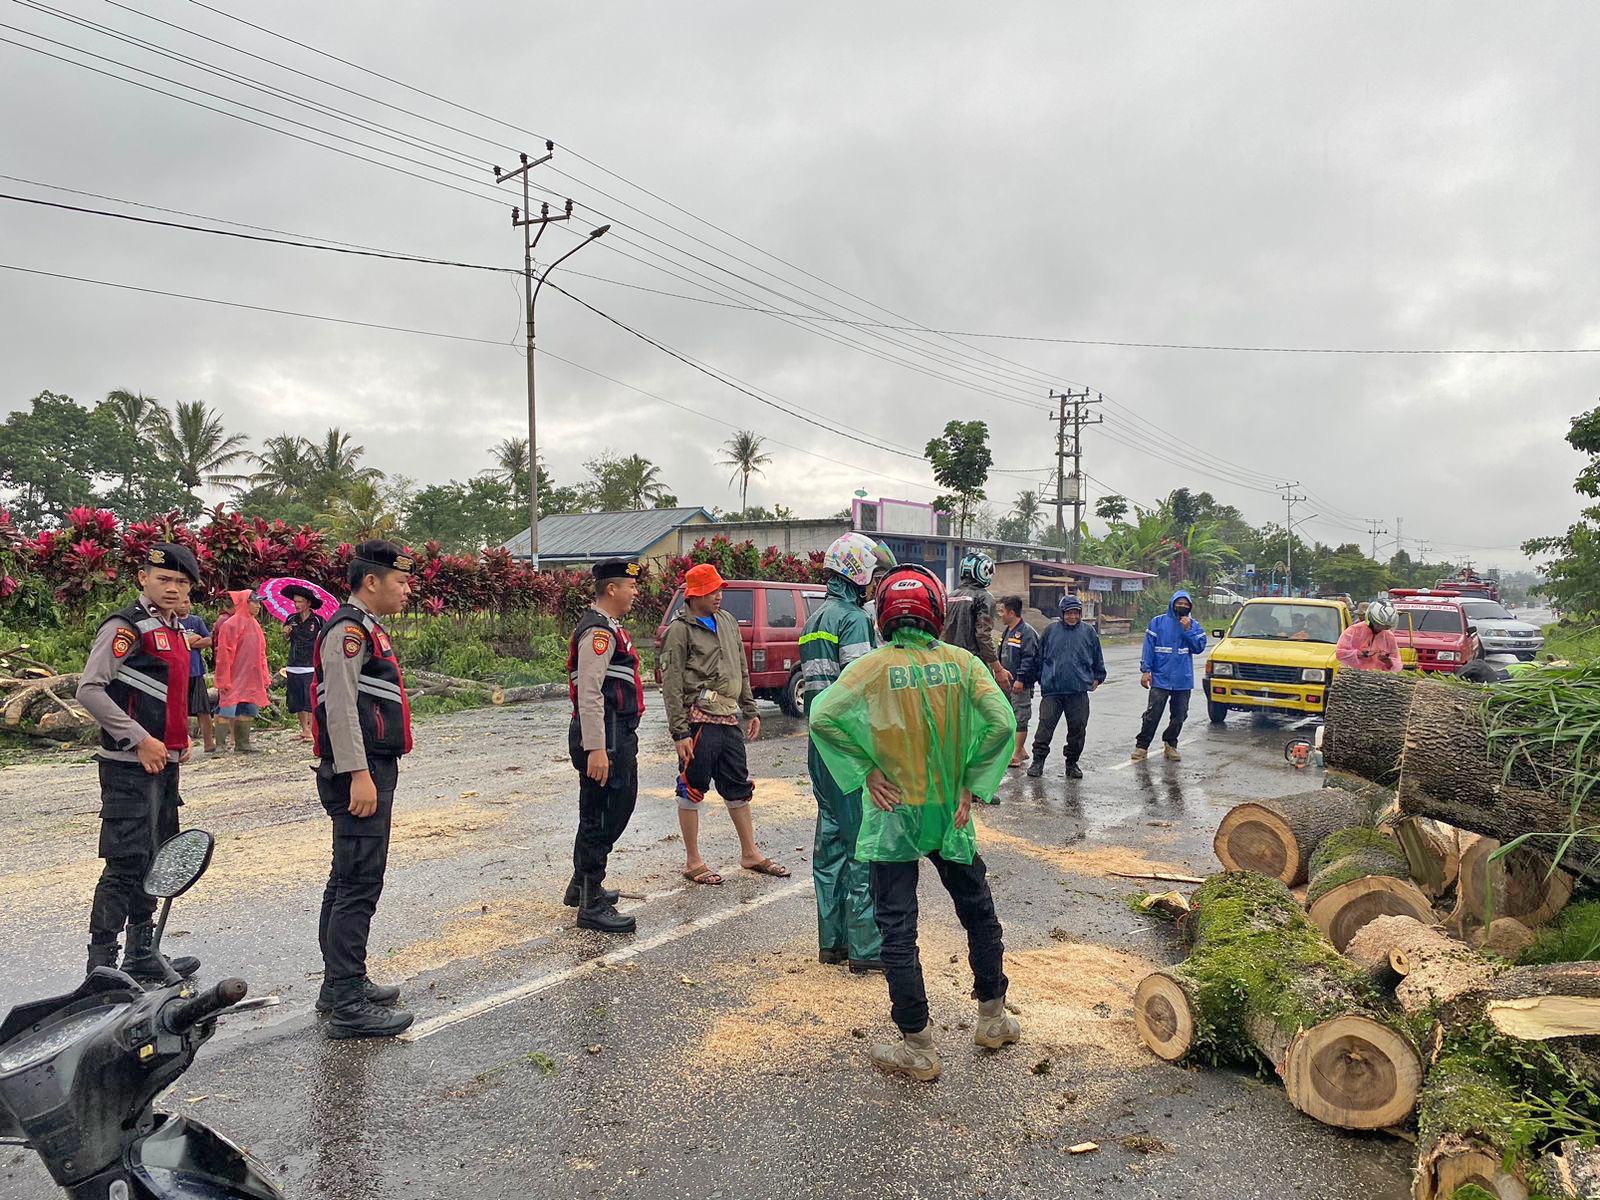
point(709, 1055)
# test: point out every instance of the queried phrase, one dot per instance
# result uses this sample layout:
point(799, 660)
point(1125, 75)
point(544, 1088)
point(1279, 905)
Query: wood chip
point(1083, 1148)
point(1156, 877)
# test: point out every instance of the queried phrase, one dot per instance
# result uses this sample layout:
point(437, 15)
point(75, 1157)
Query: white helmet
point(1381, 615)
point(857, 557)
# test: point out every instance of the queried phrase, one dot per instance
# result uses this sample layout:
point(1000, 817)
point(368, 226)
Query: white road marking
point(533, 987)
point(1128, 762)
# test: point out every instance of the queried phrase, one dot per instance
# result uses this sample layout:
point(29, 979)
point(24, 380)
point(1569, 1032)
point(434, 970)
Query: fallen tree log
point(1422, 964)
point(1520, 885)
point(1434, 860)
point(1462, 1135)
point(1358, 875)
point(1533, 1004)
point(1365, 724)
point(1278, 837)
point(1451, 775)
point(27, 699)
point(1262, 984)
point(1570, 1172)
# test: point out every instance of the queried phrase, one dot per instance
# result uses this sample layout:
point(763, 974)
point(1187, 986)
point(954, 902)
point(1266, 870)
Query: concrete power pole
point(523, 218)
point(1078, 417)
point(1375, 527)
point(1289, 501)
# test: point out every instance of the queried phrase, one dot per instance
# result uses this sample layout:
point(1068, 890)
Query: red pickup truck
point(1436, 627)
point(770, 616)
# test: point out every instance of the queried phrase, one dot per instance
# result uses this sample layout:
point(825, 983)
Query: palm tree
point(745, 457)
point(198, 448)
point(1026, 511)
point(284, 465)
point(358, 512)
point(333, 465)
point(511, 465)
point(640, 481)
point(138, 417)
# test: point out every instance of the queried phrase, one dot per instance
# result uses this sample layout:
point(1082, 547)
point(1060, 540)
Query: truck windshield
point(1433, 620)
point(1288, 623)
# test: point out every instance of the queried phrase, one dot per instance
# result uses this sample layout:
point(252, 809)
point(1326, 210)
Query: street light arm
point(545, 273)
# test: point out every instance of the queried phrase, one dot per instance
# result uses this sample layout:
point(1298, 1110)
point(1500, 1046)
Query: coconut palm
point(639, 480)
point(361, 510)
point(283, 466)
point(1026, 512)
point(511, 465)
point(198, 448)
point(334, 464)
point(138, 418)
point(745, 457)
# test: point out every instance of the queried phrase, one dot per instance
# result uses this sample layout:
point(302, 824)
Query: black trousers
point(1051, 709)
point(894, 898)
point(1160, 699)
point(138, 811)
point(604, 810)
point(355, 880)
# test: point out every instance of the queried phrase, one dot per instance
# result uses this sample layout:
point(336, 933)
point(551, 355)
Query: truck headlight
point(1448, 656)
point(1314, 675)
point(1223, 670)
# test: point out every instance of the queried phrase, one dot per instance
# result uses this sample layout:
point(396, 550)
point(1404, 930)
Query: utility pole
point(523, 217)
point(1289, 501)
point(1399, 534)
point(1079, 418)
point(1375, 527)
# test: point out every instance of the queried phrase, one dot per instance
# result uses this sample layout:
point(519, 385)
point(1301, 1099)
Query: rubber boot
point(1074, 771)
point(914, 1055)
point(101, 954)
point(833, 958)
point(996, 1027)
point(144, 964)
point(354, 1016)
point(241, 735)
point(384, 995)
point(596, 912)
point(574, 894)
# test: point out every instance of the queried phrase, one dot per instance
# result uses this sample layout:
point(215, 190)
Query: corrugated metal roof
point(1087, 570)
point(603, 535)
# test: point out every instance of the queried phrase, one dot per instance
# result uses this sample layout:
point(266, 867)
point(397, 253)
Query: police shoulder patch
point(353, 641)
point(601, 642)
point(123, 642)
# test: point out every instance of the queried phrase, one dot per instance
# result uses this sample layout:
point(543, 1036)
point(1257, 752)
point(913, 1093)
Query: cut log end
point(1342, 912)
point(1539, 1018)
point(1254, 838)
point(1455, 1163)
point(1163, 1013)
point(1354, 1072)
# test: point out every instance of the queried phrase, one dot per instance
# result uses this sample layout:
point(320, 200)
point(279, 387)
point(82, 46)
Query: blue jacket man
point(1071, 666)
point(1166, 667)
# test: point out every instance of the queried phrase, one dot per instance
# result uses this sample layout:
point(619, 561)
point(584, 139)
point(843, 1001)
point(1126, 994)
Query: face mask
point(1182, 610)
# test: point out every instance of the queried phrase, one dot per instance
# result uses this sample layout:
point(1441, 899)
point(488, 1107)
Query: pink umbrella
point(274, 600)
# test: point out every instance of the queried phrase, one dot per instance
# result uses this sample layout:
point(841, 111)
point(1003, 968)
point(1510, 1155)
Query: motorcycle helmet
point(910, 595)
point(856, 557)
point(978, 567)
point(1381, 614)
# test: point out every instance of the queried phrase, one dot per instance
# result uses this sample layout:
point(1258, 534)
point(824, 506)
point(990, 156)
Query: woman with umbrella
point(304, 626)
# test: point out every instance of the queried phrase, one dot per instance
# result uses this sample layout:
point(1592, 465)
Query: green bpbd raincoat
point(931, 718)
point(836, 635)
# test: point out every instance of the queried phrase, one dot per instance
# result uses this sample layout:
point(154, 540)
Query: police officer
point(135, 684)
point(607, 700)
point(361, 729)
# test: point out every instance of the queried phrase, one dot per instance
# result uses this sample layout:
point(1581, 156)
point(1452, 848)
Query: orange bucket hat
point(701, 580)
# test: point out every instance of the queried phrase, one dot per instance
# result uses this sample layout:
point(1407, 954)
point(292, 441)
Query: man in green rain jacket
point(837, 634)
point(925, 728)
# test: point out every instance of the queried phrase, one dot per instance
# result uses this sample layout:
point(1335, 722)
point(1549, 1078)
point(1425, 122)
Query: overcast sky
point(1416, 175)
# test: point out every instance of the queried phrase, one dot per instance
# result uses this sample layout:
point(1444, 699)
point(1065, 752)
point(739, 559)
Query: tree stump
point(1365, 727)
point(1278, 837)
point(1263, 985)
point(1358, 875)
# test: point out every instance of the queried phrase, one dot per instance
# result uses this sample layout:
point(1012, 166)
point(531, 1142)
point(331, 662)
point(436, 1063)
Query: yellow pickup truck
point(1276, 656)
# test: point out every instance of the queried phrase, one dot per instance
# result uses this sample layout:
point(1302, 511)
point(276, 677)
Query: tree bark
point(1278, 837)
point(1570, 1172)
point(1358, 875)
point(1426, 965)
point(1520, 885)
point(1365, 726)
point(1533, 1004)
point(1461, 1136)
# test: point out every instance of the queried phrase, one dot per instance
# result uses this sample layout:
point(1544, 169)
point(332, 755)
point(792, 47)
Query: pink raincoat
point(1361, 648)
point(241, 651)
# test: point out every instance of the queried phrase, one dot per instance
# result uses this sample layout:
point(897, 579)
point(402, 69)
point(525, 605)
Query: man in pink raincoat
point(241, 651)
point(1370, 645)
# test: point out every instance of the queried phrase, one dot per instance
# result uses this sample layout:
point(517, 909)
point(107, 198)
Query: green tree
point(283, 465)
point(1348, 569)
point(333, 467)
point(49, 456)
point(511, 466)
point(1026, 510)
point(1572, 568)
point(467, 517)
point(133, 421)
point(1111, 508)
point(961, 459)
point(198, 448)
point(362, 510)
point(743, 454)
point(623, 484)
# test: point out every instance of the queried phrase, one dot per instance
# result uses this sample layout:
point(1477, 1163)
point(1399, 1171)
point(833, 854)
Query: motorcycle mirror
point(179, 864)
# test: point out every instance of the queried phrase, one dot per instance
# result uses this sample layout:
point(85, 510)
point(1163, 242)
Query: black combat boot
point(101, 954)
point(575, 894)
point(596, 912)
point(355, 1016)
point(145, 965)
point(832, 958)
point(384, 995)
point(1074, 771)
point(1036, 767)
point(864, 966)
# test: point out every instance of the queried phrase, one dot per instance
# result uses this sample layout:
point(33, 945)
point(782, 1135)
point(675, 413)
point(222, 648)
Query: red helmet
point(910, 594)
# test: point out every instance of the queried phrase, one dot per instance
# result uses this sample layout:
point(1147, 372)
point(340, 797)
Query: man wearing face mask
point(1166, 668)
point(1072, 666)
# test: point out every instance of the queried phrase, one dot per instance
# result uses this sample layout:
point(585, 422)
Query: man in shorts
point(198, 635)
point(304, 626)
point(705, 687)
point(1019, 654)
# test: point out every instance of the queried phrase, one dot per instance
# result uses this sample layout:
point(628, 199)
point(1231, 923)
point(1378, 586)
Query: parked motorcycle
point(79, 1074)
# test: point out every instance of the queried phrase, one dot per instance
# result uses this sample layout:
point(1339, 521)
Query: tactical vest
point(381, 701)
point(622, 688)
point(151, 683)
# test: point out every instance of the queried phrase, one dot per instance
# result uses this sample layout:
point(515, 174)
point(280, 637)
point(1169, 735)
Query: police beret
point(385, 554)
point(615, 568)
point(171, 557)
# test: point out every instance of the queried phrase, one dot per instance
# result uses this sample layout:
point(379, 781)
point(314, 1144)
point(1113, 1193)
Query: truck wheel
point(789, 699)
point(1217, 712)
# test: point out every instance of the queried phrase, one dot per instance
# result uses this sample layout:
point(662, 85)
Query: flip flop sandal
point(767, 867)
point(705, 875)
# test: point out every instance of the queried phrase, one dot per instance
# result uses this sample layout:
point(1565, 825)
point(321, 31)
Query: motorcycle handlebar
point(188, 1013)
